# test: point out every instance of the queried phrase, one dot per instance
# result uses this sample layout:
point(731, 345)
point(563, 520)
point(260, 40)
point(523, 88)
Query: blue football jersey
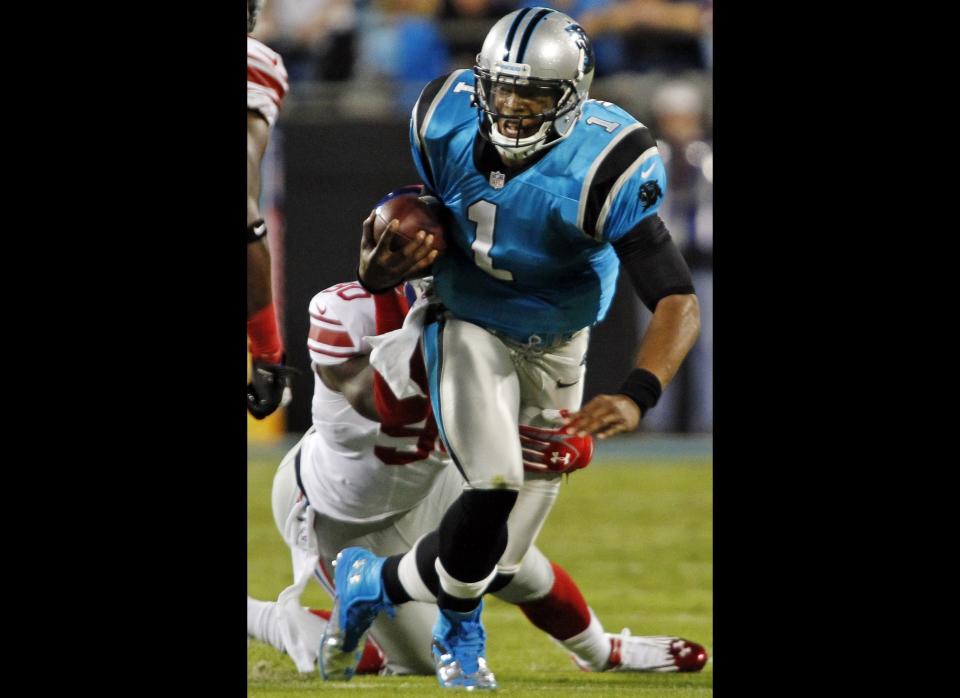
point(528, 252)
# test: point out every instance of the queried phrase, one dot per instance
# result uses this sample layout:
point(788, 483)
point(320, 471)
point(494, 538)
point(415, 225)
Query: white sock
point(462, 590)
point(410, 577)
point(262, 623)
point(591, 646)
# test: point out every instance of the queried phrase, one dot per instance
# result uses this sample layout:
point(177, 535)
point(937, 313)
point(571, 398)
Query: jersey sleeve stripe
point(424, 103)
point(267, 67)
point(321, 318)
point(331, 338)
point(268, 57)
point(422, 126)
point(335, 354)
point(594, 166)
point(422, 113)
point(618, 185)
point(261, 77)
point(273, 66)
point(620, 153)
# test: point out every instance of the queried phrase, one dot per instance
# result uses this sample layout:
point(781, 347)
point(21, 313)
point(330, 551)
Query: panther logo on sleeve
point(650, 193)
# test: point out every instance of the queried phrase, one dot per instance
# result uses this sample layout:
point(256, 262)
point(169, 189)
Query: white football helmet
point(533, 53)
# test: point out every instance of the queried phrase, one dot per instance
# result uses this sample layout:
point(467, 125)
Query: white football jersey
point(266, 80)
point(351, 470)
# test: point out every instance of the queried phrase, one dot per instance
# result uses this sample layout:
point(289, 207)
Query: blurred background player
point(679, 115)
point(266, 88)
point(549, 194)
point(370, 472)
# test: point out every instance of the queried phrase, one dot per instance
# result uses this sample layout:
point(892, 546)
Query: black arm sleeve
point(654, 263)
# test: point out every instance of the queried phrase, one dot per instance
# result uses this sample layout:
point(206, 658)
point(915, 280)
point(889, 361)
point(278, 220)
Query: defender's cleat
point(651, 653)
point(459, 643)
point(360, 598)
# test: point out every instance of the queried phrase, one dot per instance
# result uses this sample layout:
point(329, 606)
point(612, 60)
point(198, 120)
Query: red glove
point(550, 450)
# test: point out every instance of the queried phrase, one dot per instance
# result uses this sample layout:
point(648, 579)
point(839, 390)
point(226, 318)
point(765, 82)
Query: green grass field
point(636, 534)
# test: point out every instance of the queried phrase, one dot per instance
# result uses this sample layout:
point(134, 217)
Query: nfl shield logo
point(497, 180)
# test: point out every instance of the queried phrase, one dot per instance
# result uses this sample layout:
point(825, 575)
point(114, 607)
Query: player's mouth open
point(518, 128)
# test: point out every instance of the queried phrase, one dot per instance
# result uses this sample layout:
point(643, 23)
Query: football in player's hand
point(416, 211)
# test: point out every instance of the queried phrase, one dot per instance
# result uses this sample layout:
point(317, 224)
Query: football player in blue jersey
point(550, 194)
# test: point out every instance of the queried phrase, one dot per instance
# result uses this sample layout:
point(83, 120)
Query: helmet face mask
point(531, 80)
point(517, 112)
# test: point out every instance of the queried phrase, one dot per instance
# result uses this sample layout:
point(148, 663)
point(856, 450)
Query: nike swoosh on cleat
point(567, 385)
point(646, 173)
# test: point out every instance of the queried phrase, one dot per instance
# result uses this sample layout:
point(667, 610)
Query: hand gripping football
point(416, 211)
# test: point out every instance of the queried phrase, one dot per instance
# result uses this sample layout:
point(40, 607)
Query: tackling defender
point(370, 472)
point(266, 88)
point(549, 193)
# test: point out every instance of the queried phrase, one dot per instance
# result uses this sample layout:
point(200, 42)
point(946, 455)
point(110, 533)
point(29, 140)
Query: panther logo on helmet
point(589, 60)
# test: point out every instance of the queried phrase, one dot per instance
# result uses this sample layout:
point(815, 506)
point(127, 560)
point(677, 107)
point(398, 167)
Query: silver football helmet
point(532, 77)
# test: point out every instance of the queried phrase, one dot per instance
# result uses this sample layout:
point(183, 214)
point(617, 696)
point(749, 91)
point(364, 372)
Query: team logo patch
point(497, 180)
point(587, 59)
point(650, 193)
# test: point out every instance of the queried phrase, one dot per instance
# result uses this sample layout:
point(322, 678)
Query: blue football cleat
point(360, 598)
point(459, 643)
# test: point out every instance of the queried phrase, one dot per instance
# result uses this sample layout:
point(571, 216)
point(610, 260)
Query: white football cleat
point(651, 653)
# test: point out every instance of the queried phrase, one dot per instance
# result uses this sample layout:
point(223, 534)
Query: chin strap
point(522, 152)
point(513, 154)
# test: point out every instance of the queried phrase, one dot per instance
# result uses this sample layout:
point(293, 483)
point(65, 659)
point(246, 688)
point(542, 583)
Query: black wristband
point(370, 290)
point(643, 388)
point(256, 231)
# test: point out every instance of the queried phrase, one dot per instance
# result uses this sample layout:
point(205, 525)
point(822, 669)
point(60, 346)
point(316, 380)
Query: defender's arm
point(259, 293)
point(354, 379)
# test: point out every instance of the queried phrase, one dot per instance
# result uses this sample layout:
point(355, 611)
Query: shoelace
point(470, 637)
point(654, 651)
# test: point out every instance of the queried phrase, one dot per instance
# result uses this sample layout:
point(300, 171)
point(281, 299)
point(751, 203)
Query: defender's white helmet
point(533, 52)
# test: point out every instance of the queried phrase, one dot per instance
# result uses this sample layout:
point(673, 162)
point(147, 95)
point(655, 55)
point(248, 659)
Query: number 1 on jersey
point(484, 214)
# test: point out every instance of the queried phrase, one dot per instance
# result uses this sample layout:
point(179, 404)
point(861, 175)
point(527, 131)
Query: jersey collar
point(486, 159)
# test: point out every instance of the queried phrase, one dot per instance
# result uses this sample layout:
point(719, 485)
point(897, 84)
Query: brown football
point(415, 213)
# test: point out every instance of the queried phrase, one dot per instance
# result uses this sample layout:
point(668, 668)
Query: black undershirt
point(653, 262)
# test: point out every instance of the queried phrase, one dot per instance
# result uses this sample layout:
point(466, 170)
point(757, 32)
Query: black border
point(143, 442)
